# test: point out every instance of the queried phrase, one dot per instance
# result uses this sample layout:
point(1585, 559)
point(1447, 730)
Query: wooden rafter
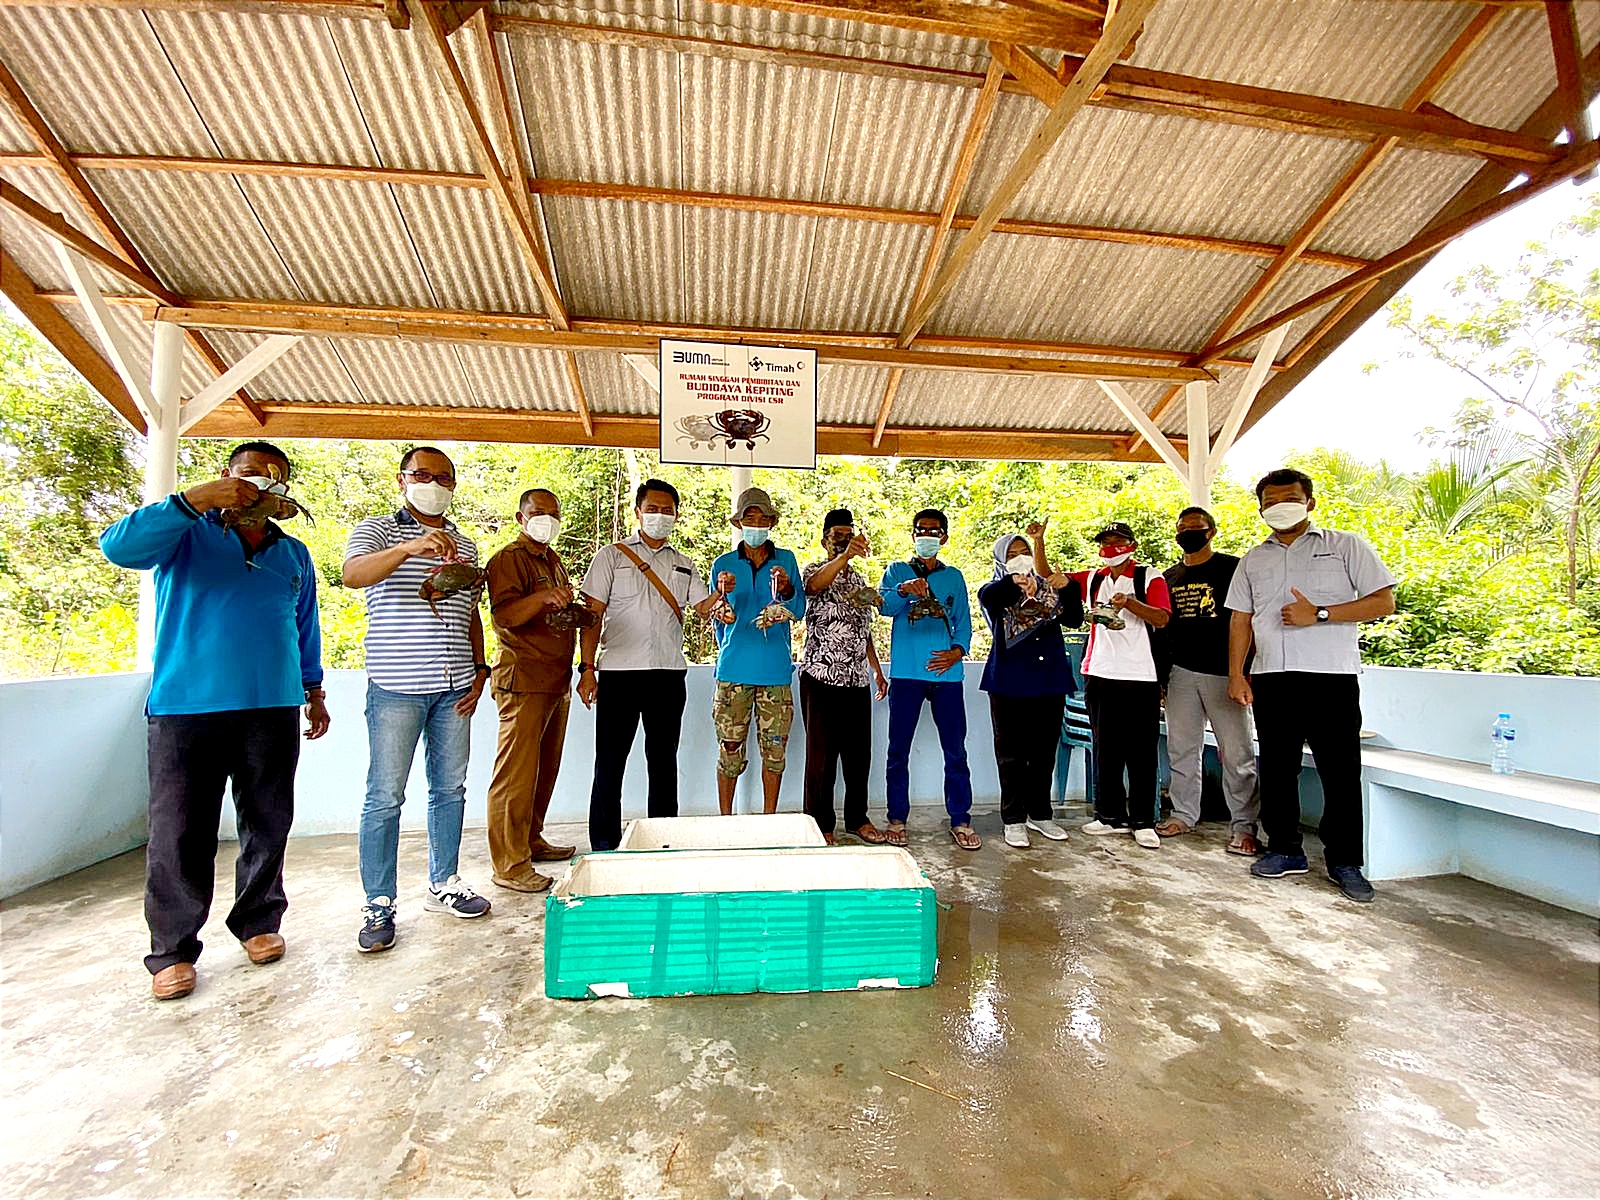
point(452, 16)
point(295, 320)
point(1129, 17)
point(510, 425)
point(1565, 43)
point(57, 159)
point(72, 345)
point(642, 194)
point(961, 173)
point(63, 231)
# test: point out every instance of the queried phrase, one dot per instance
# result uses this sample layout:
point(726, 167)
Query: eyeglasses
point(445, 480)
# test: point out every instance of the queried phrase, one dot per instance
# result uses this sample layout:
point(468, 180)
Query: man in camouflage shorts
point(731, 710)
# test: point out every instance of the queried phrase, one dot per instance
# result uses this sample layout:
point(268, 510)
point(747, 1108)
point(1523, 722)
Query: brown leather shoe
point(545, 852)
point(532, 881)
point(263, 948)
point(1245, 844)
point(173, 982)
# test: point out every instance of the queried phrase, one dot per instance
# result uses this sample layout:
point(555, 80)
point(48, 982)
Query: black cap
point(1118, 529)
point(838, 516)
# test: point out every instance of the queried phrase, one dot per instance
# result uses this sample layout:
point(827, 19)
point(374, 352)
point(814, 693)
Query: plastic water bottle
point(1503, 733)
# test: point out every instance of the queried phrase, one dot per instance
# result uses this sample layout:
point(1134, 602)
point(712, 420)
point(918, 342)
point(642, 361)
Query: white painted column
point(161, 459)
point(742, 477)
point(1197, 398)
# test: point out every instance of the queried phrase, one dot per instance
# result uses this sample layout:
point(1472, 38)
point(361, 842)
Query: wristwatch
point(583, 666)
point(485, 668)
point(1323, 615)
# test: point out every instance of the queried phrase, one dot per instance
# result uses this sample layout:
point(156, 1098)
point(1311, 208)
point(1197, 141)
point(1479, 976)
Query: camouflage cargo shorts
point(731, 709)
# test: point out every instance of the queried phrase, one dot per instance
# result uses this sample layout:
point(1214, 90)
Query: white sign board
point(738, 405)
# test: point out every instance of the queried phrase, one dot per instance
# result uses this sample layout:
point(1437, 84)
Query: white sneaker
point(1017, 837)
point(1148, 838)
point(1048, 828)
point(1098, 827)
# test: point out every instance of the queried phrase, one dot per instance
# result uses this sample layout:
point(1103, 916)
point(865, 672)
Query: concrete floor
point(1107, 1021)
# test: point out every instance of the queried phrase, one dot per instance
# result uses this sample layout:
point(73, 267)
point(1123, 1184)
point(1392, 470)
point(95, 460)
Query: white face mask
point(754, 537)
point(267, 484)
point(1116, 560)
point(926, 547)
point(542, 527)
point(657, 525)
point(1286, 515)
point(431, 499)
point(1022, 564)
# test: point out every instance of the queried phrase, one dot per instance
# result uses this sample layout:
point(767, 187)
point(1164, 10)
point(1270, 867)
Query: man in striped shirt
point(425, 673)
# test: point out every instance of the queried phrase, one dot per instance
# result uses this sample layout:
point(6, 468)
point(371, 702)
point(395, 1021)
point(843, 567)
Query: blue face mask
point(927, 547)
point(755, 537)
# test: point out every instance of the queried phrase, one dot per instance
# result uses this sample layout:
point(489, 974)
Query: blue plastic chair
point(1075, 733)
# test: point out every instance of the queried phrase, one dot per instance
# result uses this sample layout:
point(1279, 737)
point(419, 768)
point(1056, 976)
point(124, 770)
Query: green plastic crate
point(718, 922)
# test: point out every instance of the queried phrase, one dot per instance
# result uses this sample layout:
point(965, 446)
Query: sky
point(1381, 414)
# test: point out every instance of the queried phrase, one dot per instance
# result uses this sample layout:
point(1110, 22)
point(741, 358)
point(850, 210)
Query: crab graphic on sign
point(727, 404)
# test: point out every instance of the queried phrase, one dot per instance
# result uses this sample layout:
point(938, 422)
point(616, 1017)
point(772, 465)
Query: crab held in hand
point(866, 597)
point(576, 615)
point(925, 608)
point(273, 504)
point(773, 614)
point(447, 579)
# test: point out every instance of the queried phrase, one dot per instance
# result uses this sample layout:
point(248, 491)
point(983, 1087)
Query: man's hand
point(723, 612)
point(726, 582)
point(942, 660)
point(553, 597)
point(881, 688)
point(588, 687)
point(1059, 580)
point(1028, 584)
point(1035, 529)
point(913, 587)
point(436, 543)
point(468, 704)
point(317, 719)
point(227, 492)
point(1119, 600)
point(1299, 611)
point(780, 577)
point(858, 547)
point(1239, 690)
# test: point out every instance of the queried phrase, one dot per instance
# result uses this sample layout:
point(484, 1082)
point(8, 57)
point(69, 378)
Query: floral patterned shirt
point(836, 630)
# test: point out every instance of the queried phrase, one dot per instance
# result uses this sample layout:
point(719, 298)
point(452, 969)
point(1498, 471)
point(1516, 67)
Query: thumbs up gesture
point(1299, 611)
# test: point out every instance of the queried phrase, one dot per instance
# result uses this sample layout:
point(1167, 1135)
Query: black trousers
point(192, 758)
point(1125, 721)
point(1027, 730)
point(1294, 709)
point(838, 725)
point(623, 701)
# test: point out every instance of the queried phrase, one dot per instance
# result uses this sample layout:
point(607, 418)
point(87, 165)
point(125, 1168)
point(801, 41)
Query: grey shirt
point(639, 631)
point(1330, 568)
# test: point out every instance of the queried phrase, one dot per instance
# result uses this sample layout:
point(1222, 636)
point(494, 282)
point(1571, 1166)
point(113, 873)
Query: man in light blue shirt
point(1298, 600)
point(758, 582)
point(927, 600)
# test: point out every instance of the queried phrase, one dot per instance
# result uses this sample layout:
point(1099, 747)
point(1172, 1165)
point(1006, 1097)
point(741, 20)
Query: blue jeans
point(394, 723)
point(950, 718)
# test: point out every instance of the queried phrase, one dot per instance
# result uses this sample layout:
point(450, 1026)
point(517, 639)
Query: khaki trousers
point(533, 729)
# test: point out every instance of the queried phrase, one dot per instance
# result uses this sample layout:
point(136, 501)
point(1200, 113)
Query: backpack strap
point(649, 573)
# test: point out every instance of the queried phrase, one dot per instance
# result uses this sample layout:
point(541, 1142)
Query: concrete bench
point(1534, 834)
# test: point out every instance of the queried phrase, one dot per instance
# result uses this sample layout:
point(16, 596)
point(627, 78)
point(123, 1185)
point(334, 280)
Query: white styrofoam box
point(743, 831)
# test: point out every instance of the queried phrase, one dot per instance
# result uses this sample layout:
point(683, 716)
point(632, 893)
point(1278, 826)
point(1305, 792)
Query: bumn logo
point(697, 358)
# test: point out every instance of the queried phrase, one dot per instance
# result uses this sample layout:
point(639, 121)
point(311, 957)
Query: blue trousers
point(906, 697)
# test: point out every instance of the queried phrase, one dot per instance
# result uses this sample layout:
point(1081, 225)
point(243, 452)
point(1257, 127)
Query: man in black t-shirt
point(1197, 688)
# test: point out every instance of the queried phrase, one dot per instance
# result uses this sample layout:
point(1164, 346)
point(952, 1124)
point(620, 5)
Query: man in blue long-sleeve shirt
point(238, 649)
point(925, 666)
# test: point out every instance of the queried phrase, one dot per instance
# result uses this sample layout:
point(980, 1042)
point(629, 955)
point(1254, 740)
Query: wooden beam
point(399, 16)
point(1140, 420)
point(641, 194)
point(891, 389)
point(69, 343)
point(1296, 250)
point(1253, 380)
point(117, 350)
point(1583, 158)
point(198, 315)
point(1129, 17)
point(1565, 42)
point(69, 235)
point(385, 422)
point(452, 16)
point(241, 373)
point(575, 382)
point(514, 164)
point(430, 32)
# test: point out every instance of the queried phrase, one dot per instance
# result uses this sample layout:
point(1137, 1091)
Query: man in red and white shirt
point(1121, 686)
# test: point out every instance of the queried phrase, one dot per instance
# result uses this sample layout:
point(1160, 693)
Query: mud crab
point(866, 597)
point(773, 614)
point(1104, 614)
point(273, 504)
point(925, 608)
point(448, 578)
point(576, 615)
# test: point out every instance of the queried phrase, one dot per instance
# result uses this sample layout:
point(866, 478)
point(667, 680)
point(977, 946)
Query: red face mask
point(1116, 554)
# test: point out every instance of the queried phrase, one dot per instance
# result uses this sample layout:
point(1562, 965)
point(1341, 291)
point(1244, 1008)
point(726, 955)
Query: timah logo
point(697, 358)
point(790, 368)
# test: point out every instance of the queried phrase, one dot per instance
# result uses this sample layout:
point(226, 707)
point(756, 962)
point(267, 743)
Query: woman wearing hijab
point(1028, 677)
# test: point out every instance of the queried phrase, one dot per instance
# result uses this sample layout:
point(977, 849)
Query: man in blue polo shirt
point(425, 674)
point(929, 642)
point(754, 661)
point(238, 648)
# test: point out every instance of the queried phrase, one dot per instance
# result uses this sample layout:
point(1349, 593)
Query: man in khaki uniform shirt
point(532, 680)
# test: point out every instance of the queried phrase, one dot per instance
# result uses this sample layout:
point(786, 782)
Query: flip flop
point(966, 837)
point(895, 834)
point(870, 835)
